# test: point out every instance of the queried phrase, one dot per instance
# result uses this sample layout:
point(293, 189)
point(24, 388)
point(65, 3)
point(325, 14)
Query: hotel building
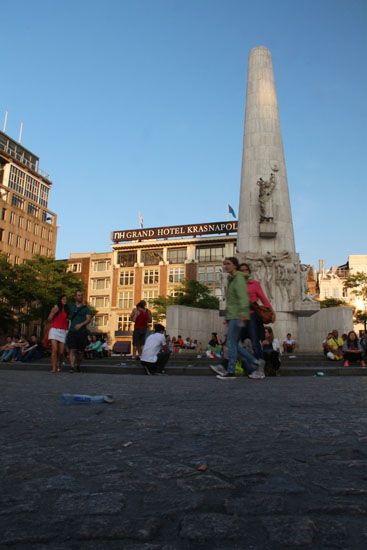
point(148, 263)
point(27, 227)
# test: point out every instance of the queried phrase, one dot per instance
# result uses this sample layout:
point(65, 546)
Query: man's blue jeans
point(235, 349)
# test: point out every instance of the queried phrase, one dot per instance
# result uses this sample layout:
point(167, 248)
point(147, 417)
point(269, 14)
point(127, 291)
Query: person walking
point(77, 338)
point(141, 316)
point(255, 328)
point(59, 319)
point(236, 314)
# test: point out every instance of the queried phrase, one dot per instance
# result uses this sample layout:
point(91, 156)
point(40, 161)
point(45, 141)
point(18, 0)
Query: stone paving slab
point(286, 463)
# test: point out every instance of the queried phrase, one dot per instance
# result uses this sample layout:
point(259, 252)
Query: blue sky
point(140, 105)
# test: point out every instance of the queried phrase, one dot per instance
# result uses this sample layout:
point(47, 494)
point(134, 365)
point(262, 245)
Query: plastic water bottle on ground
point(82, 399)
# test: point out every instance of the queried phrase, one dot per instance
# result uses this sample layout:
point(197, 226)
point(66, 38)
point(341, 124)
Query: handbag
point(263, 312)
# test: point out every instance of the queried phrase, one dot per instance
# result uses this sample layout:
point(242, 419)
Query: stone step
point(189, 369)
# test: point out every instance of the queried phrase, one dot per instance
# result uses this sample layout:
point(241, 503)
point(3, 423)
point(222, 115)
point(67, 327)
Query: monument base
point(306, 308)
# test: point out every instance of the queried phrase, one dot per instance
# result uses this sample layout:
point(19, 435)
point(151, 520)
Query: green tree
point(8, 296)
point(361, 317)
point(331, 302)
point(190, 293)
point(357, 282)
point(39, 282)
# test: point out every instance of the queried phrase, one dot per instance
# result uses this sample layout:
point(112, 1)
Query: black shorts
point(77, 340)
point(139, 336)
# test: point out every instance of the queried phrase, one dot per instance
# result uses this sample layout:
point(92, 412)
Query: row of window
point(28, 187)
point(32, 209)
point(174, 255)
point(23, 223)
point(25, 244)
point(99, 265)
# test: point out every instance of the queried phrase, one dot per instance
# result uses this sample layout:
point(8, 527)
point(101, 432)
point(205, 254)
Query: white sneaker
point(218, 369)
point(257, 374)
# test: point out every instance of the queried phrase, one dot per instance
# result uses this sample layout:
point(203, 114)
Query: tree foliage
point(28, 291)
point(331, 302)
point(361, 317)
point(190, 293)
point(358, 283)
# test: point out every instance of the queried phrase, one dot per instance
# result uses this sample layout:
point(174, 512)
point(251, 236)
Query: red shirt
point(60, 320)
point(255, 293)
point(142, 320)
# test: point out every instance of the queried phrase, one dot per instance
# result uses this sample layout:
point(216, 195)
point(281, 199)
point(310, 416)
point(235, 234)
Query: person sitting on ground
point(105, 348)
point(289, 344)
point(335, 346)
point(271, 351)
point(10, 350)
point(155, 353)
point(325, 348)
point(214, 345)
point(33, 352)
point(180, 341)
point(169, 343)
point(6, 347)
point(94, 349)
point(352, 350)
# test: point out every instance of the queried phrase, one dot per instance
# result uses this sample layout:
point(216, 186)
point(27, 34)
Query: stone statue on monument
point(306, 297)
point(266, 188)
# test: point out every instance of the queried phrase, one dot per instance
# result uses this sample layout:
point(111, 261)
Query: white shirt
point(152, 347)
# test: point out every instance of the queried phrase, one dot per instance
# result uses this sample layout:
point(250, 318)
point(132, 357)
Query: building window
point(345, 293)
point(152, 257)
point(174, 292)
point(20, 222)
point(12, 217)
point(29, 225)
point(32, 210)
point(43, 233)
point(101, 284)
point(1, 234)
point(149, 296)
point(36, 229)
point(127, 278)
point(75, 268)
point(176, 255)
point(26, 244)
point(100, 301)
point(19, 241)
point(101, 320)
point(17, 201)
point(210, 253)
point(3, 214)
point(124, 324)
point(101, 265)
point(10, 238)
point(210, 274)
point(16, 260)
point(126, 299)
point(34, 248)
point(50, 236)
point(151, 276)
point(176, 274)
point(127, 259)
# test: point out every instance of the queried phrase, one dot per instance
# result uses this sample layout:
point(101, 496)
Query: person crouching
point(155, 353)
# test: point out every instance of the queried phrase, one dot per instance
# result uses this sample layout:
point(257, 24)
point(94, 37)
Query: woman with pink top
point(255, 329)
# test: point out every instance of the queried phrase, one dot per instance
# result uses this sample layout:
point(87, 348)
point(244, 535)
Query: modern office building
point(27, 227)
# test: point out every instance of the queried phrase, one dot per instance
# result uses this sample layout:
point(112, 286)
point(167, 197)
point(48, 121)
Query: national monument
point(265, 229)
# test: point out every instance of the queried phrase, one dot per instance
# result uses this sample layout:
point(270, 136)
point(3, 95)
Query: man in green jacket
point(237, 313)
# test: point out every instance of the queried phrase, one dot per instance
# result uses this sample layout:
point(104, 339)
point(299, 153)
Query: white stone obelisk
point(265, 232)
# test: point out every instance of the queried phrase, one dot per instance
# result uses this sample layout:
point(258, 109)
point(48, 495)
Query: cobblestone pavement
point(286, 457)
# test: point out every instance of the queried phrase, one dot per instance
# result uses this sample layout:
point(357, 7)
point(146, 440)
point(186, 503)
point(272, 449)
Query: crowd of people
point(347, 348)
point(20, 349)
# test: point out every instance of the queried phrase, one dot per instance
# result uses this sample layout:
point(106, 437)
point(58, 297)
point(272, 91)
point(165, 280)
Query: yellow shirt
point(335, 343)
